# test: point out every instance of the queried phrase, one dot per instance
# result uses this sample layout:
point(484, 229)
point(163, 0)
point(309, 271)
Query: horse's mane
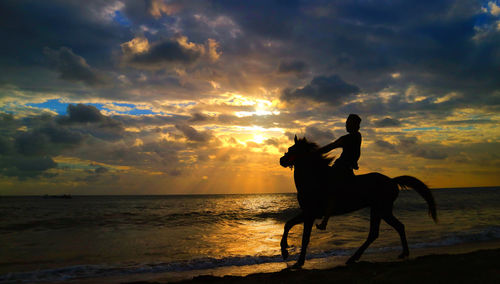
point(316, 156)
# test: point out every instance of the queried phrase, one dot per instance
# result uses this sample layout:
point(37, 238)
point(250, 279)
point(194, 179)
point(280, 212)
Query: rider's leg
point(328, 213)
point(343, 176)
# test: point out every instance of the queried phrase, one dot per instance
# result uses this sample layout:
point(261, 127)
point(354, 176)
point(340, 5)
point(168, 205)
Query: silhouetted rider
point(347, 162)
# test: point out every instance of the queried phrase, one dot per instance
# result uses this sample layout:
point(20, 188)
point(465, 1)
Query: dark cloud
point(36, 164)
point(6, 145)
point(30, 26)
point(328, 89)
point(29, 152)
point(271, 142)
point(32, 143)
point(193, 134)
point(93, 122)
point(385, 146)
point(84, 113)
point(73, 67)
point(94, 175)
point(60, 135)
point(471, 122)
point(318, 135)
point(24, 167)
point(199, 117)
point(101, 170)
point(387, 122)
point(161, 54)
point(411, 146)
point(292, 66)
point(49, 139)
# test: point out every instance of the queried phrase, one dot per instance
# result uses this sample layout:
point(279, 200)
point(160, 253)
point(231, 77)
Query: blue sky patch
point(53, 105)
point(121, 19)
point(61, 108)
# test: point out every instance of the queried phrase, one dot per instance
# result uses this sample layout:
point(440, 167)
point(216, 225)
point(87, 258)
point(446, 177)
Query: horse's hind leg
point(396, 224)
point(373, 235)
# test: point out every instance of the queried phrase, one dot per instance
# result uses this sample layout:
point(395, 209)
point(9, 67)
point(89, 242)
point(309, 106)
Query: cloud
point(193, 134)
point(318, 135)
point(199, 117)
point(101, 170)
point(93, 122)
point(327, 89)
point(29, 144)
point(158, 8)
point(272, 50)
point(84, 113)
point(24, 167)
point(72, 67)
point(411, 146)
point(49, 139)
point(494, 9)
point(35, 164)
point(387, 122)
point(386, 146)
point(292, 66)
point(139, 53)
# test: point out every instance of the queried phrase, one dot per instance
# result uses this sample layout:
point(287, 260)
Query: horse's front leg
point(288, 226)
point(306, 235)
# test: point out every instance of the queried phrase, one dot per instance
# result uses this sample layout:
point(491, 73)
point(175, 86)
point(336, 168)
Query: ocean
point(88, 237)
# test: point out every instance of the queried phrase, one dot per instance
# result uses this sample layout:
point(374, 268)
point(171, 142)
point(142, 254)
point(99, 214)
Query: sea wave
point(484, 234)
point(94, 271)
point(145, 219)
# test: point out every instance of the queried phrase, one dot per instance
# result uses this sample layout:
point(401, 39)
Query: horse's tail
point(422, 189)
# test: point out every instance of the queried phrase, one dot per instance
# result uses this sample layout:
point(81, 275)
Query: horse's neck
point(305, 176)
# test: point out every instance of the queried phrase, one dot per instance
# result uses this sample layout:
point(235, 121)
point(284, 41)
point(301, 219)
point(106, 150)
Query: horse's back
point(372, 189)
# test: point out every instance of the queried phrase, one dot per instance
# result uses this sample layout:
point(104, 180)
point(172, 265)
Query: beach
point(457, 266)
point(477, 267)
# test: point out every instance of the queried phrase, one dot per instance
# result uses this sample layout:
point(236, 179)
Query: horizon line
point(200, 194)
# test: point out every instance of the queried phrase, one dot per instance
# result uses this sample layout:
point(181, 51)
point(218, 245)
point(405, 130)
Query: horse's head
point(297, 151)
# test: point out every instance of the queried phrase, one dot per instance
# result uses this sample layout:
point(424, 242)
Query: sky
point(202, 97)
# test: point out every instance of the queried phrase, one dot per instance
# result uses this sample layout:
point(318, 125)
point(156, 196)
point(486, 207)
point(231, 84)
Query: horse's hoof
point(403, 255)
point(297, 265)
point(319, 227)
point(350, 261)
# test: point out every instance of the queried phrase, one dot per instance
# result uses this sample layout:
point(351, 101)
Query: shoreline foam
point(237, 273)
point(478, 266)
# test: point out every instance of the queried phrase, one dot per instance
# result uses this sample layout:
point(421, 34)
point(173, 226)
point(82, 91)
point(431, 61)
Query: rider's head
point(352, 123)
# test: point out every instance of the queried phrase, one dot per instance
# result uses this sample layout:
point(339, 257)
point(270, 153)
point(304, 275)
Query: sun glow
point(259, 138)
point(257, 134)
point(261, 107)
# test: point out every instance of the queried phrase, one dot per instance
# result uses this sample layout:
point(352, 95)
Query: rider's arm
point(336, 144)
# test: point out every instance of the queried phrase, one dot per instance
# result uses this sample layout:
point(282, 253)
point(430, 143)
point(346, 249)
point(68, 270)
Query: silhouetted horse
point(312, 177)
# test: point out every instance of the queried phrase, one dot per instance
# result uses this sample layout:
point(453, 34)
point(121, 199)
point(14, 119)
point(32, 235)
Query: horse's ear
point(295, 139)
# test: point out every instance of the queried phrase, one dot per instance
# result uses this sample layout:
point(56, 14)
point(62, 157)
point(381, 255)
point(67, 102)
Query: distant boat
point(65, 196)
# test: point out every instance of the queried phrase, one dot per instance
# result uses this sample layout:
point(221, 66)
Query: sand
point(482, 266)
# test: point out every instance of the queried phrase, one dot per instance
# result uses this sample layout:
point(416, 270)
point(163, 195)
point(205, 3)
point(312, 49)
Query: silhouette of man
point(347, 162)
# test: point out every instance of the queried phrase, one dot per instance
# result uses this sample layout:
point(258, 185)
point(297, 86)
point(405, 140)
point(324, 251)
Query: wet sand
point(476, 267)
point(481, 266)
